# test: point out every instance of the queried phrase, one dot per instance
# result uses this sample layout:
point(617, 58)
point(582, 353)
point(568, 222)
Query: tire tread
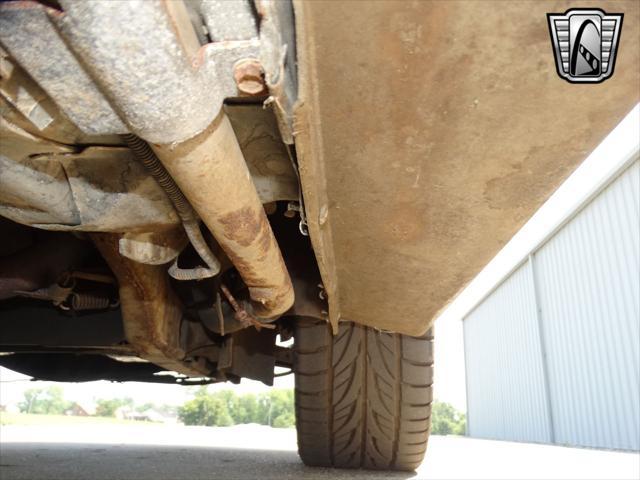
point(369, 405)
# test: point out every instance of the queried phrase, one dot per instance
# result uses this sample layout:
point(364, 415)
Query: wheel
point(363, 397)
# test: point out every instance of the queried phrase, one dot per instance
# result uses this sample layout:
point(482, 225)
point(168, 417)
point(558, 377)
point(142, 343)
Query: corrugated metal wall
point(504, 366)
point(568, 370)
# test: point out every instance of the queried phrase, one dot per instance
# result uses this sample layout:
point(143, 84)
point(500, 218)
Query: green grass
point(7, 418)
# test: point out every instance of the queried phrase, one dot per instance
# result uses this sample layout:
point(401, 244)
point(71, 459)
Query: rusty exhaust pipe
point(176, 106)
point(211, 171)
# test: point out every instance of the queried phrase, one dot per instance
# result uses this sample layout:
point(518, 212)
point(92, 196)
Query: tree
point(446, 420)
point(49, 401)
point(144, 407)
point(232, 404)
point(281, 408)
point(107, 407)
point(247, 409)
point(205, 409)
point(275, 408)
point(285, 420)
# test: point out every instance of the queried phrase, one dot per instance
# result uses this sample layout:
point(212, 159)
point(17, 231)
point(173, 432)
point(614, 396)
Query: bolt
point(249, 77)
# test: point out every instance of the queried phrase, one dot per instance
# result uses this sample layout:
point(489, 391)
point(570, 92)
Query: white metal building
point(552, 348)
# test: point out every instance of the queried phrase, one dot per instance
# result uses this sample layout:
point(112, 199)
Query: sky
point(615, 151)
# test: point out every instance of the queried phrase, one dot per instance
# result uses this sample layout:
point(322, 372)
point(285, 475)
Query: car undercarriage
point(183, 183)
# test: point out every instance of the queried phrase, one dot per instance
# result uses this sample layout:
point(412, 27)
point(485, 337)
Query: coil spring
point(90, 301)
point(143, 152)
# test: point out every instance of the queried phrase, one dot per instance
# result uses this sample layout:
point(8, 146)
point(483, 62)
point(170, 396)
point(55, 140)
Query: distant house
point(82, 409)
point(154, 416)
point(149, 415)
point(12, 408)
point(9, 408)
point(122, 413)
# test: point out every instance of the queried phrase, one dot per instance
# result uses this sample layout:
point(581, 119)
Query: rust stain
point(242, 226)
point(247, 273)
point(265, 240)
point(268, 298)
point(249, 77)
point(151, 311)
point(407, 224)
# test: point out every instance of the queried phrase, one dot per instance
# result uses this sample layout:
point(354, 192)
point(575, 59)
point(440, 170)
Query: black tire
point(363, 397)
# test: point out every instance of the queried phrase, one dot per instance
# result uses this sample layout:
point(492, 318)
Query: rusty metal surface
point(252, 354)
point(151, 67)
point(32, 189)
point(228, 20)
point(278, 58)
point(113, 192)
point(24, 95)
point(148, 59)
point(153, 248)
point(249, 77)
point(37, 189)
point(151, 312)
point(51, 186)
point(29, 34)
point(145, 66)
point(266, 156)
point(41, 264)
point(428, 133)
point(25, 104)
point(188, 216)
point(211, 171)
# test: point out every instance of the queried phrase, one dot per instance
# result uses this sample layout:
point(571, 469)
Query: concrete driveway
point(250, 451)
